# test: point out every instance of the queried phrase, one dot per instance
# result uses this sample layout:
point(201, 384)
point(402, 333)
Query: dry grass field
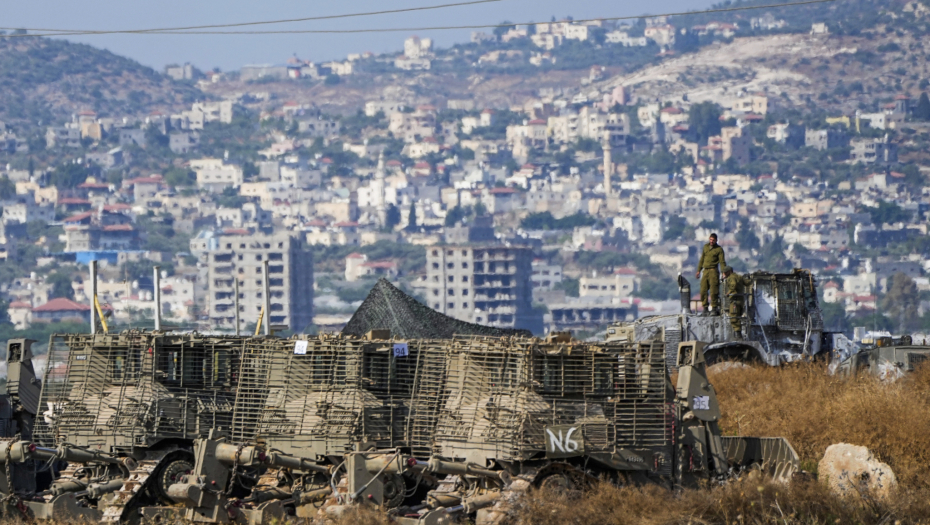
point(810, 408)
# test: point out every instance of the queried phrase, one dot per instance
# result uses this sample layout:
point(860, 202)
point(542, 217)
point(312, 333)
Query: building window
point(464, 265)
point(435, 266)
point(465, 292)
point(451, 305)
point(436, 293)
point(451, 292)
point(464, 252)
point(449, 252)
point(435, 253)
point(450, 266)
point(478, 319)
point(464, 278)
point(464, 305)
point(435, 278)
point(258, 257)
point(436, 306)
point(451, 278)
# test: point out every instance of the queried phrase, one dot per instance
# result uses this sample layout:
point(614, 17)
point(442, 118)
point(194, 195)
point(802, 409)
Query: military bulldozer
point(115, 422)
point(782, 322)
point(888, 358)
point(428, 429)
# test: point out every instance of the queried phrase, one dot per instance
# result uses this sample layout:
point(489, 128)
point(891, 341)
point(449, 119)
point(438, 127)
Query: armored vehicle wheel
point(561, 478)
point(171, 474)
point(394, 489)
point(557, 482)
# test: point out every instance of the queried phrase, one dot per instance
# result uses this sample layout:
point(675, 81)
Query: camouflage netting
point(388, 308)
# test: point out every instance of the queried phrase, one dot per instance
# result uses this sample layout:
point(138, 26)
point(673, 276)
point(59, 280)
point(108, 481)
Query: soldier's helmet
point(727, 269)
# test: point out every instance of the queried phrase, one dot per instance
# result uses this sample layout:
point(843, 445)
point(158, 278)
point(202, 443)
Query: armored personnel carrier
point(782, 323)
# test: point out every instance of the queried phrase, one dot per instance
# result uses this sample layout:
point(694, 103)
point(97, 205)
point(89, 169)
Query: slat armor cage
point(135, 389)
point(473, 398)
point(501, 394)
point(321, 396)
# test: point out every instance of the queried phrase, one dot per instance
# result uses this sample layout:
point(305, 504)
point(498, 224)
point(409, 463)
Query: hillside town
point(569, 210)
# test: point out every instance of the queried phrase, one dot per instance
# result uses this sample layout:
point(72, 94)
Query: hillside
point(46, 80)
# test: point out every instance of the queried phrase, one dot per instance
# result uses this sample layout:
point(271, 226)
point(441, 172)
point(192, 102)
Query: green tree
point(922, 111)
point(230, 198)
point(61, 285)
point(504, 26)
point(572, 287)
point(7, 188)
point(457, 214)
point(68, 175)
point(392, 217)
point(901, 302)
point(704, 119)
point(412, 217)
point(888, 213)
point(180, 177)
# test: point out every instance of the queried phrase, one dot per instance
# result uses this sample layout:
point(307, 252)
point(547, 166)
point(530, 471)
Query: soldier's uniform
point(735, 288)
point(711, 256)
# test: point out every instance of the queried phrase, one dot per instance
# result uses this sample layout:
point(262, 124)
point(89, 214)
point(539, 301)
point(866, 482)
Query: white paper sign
point(701, 403)
point(400, 350)
point(300, 348)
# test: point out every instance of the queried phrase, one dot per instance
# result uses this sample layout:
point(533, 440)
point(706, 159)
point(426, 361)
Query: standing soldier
point(711, 257)
point(735, 288)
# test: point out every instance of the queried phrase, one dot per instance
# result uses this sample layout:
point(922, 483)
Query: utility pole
point(266, 298)
point(92, 296)
point(237, 305)
point(157, 296)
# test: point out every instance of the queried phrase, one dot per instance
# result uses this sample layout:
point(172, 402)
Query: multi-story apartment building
point(290, 280)
point(484, 284)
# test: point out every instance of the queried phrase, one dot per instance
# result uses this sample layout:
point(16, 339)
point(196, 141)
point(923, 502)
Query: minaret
point(608, 163)
point(380, 170)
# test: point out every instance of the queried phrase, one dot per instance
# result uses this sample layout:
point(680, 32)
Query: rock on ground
point(851, 468)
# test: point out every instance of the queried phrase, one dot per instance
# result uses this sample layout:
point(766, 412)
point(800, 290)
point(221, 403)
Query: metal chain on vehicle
point(12, 498)
point(233, 472)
